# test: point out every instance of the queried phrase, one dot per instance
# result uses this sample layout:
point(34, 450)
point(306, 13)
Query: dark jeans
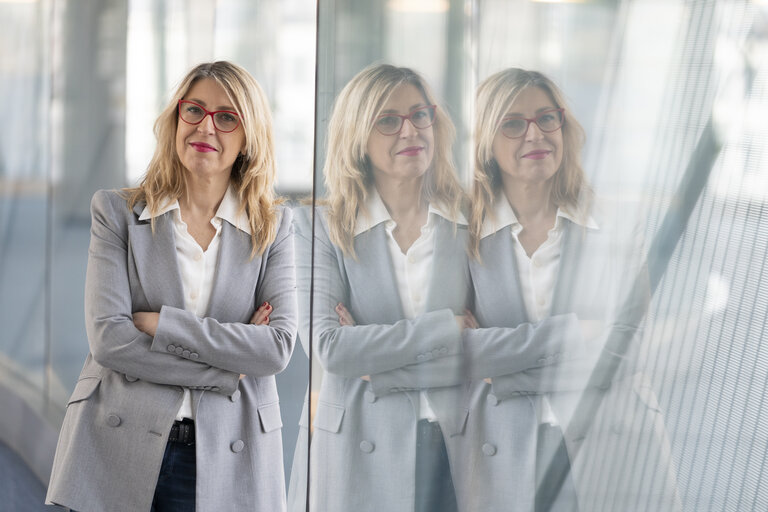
point(175, 491)
point(549, 449)
point(434, 485)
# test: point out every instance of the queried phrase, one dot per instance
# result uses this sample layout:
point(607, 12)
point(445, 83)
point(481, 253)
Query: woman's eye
point(227, 118)
point(193, 109)
point(419, 115)
point(546, 118)
point(513, 124)
point(388, 121)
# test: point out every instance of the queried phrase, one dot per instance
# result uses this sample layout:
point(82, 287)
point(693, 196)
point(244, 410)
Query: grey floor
point(20, 490)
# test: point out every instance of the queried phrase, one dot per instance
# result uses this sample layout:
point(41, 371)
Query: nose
point(533, 132)
point(408, 129)
point(206, 125)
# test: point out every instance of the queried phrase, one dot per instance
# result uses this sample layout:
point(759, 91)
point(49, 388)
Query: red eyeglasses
point(223, 120)
point(391, 124)
point(514, 127)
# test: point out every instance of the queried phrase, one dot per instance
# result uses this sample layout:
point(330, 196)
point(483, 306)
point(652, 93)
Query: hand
point(261, 315)
point(366, 378)
point(345, 317)
point(146, 322)
point(242, 376)
point(488, 380)
point(466, 321)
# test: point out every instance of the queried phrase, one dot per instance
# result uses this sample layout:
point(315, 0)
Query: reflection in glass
point(547, 253)
point(388, 304)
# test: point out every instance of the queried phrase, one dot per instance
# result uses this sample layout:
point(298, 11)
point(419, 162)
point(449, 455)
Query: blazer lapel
point(448, 282)
point(236, 277)
point(501, 275)
point(155, 257)
point(380, 303)
point(568, 271)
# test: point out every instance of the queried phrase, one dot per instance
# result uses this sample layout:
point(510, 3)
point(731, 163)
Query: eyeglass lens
point(193, 113)
point(548, 121)
point(422, 117)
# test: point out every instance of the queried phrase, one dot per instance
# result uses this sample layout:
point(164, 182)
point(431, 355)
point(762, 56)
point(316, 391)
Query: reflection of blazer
point(624, 462)
point(364, 439)
point(125, 401)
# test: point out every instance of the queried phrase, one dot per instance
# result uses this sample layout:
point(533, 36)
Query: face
point(408, 154)
point(202, 149)
point(536, 156)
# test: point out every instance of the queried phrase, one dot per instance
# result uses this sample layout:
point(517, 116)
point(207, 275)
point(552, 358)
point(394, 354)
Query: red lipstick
point(411, 151)
point(537, 154)
point(202, 147)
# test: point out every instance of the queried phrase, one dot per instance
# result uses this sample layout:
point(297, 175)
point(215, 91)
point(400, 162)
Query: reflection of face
point(536, 156)
point(201, 148)
point(407, 154)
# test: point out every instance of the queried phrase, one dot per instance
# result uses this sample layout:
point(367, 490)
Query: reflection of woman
point(190, 311)
point(542, 248)
point(390, 279)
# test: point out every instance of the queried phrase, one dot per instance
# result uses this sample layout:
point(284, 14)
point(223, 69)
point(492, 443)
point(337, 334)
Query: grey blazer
point(117, 421)
point(624, 463)
point(364, 440)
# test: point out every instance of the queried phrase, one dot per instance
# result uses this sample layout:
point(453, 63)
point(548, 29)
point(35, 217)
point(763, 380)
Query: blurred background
point(82, 81)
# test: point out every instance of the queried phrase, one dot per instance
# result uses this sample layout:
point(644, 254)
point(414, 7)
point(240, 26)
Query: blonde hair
point(347, 169)
point(495, 96)
point(253, 173)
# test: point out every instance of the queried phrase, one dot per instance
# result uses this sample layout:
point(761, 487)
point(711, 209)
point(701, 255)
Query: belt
point(182, 432)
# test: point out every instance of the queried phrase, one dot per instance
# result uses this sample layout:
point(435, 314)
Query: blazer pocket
point(269, 416)
point(84, 389)
point(328, 417)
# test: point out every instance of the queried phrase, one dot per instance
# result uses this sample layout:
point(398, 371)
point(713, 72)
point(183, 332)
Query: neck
point(203, 196)
point(403, 200)
point(531, 202)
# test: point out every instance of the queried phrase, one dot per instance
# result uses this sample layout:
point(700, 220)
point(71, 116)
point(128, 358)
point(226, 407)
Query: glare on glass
point(391, 124)
point(548, 121)
point(223, 120)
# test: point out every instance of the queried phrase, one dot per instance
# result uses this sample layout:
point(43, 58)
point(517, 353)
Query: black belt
point(182, 432)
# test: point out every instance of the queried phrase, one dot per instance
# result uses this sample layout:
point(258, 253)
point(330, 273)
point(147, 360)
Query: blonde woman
point(542, 247)
point(389, 288)
point(190, 312)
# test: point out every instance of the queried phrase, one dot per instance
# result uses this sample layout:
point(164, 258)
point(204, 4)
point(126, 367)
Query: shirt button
point(198, 256)
point(366, 446)
point(411, 259)
point(193, 295)
point(541, 301)
point(536, 263)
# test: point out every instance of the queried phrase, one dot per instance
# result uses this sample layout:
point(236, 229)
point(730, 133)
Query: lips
point(537, 154)
point(411, 151)
point(202, 147)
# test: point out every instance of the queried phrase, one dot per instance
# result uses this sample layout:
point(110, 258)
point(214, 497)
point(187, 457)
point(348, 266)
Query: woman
point(389, 287)
point(543, 247)
point(190, 312)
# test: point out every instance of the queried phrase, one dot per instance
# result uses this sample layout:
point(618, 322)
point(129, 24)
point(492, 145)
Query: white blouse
point(197, 267)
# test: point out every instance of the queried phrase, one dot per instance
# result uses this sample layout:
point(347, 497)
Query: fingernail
point(269, 306)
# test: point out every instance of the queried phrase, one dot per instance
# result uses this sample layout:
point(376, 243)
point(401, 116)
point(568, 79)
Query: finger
point(488, 380)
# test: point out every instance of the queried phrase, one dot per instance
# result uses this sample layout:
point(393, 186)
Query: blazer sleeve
point(354, 351)
point(114, 340)
point(253, 350)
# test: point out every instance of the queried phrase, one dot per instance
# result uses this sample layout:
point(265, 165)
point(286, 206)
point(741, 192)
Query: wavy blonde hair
point(253, 172)
point(494, 98)
point(347, 170)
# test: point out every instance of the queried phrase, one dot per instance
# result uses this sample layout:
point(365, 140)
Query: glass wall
point(622, 328)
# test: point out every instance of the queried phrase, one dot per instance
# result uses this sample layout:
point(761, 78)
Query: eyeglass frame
point(207, 113)
point(533, 120)
point(408, 117)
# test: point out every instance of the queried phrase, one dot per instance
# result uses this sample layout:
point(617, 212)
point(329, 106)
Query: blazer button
point(171, 348)
point(179, 351)
point(489, 449)
point(186, 354)
point(193, 355)
point(237, 446)
point(235, 396)
point(421, 357)
point(366, 446)
point(370, 397)
point(215, 388)
point(492, 399)
point(131, 378)
point(113, 420)
point(542, 361)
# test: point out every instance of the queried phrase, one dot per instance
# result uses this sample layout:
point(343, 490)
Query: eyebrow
point(542, 109)
point(220, 107)
point(410, 109)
